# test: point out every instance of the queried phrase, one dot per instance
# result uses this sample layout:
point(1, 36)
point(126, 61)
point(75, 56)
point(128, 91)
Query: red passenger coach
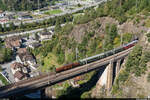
point(129, 46)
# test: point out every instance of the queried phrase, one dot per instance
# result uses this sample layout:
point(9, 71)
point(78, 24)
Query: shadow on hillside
point(77, 92)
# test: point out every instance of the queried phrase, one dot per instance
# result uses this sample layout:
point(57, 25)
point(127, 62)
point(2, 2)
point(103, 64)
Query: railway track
point(51, 78)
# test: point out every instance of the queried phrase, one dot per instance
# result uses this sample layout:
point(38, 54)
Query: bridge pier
point(106, 78)
point(118, 66)
point(103, 78)
point(124, 61)
point(109, 76)
point(42, 91)
point(101, 82)
point(12, 98)
point(46, 93)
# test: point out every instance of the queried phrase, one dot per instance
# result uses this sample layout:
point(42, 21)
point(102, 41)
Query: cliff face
point(137, 86)
point(22, 4)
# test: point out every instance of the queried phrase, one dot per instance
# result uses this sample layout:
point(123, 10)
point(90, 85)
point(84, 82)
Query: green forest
point(19, 5)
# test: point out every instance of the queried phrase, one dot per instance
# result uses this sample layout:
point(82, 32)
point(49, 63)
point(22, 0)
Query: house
point(24, 16)
point(3, 20)
point(54, 7)
point(34, 45)
point(25, 70)
point(33, 74)
point(78, 78)
point(34, 67)
point(11, 17)
point(22, 50)
point(13, 42)
point(2, 14)
point(16, 67)
point(26, 59)
point(45, 35)
point(19, 76)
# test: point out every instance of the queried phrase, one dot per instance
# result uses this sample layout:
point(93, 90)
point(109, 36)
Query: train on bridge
point(44, 77)
point(96, 57)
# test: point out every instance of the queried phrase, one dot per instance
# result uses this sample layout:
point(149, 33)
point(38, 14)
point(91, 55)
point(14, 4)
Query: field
point(4, 81)
point(52, 12)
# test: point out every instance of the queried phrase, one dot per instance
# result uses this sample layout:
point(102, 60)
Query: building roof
point(34, 45)
point(19, 75)
point(22, 50)
point(78, 78)
point(26, 56)
point(13, 38)
point(16, 65)
point(13, 42)
point(16, 43)
point(45, 33)
point(36, 65)
point(1, 11)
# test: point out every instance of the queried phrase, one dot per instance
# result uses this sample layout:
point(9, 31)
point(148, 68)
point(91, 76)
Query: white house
point(16, 67)
point(34, 45)
point(26, 59)
point(45, 35)
point(2, 14)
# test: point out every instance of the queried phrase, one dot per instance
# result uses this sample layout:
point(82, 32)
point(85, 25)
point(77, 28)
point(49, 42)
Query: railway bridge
point(44, 80)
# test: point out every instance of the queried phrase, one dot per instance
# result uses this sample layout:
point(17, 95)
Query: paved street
point(8, 70)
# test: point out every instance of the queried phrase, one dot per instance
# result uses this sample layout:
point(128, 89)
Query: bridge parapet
point(44, 81)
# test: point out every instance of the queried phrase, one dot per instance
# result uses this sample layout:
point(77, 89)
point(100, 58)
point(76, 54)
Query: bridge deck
point(26, 86)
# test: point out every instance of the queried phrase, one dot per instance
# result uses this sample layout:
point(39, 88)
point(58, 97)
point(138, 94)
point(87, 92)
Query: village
point(24, 63)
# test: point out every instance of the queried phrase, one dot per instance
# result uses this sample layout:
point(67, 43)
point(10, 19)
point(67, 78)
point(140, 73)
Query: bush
point(67, 28)
point(4, 81)
point(148, 36)
point(86, 95)
point(5, 55)
point(127, 37)
point(61, 58)
point(147, 23)
point(148, 77)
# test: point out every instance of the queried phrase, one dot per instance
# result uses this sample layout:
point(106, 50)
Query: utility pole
point(48, 76)
point(103, 43)
point(38, 7)
point(121, 29)
point(77, 53)
point(136, 4)
point(121, 39)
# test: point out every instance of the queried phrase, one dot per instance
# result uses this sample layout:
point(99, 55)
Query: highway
point(26, 32)
point(26, 86)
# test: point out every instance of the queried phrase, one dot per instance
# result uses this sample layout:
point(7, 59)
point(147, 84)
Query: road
point(27, 32)
point(61, 14)
point(41, 19)
point(47, 79)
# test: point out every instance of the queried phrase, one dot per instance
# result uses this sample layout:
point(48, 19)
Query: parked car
point(5, 73)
